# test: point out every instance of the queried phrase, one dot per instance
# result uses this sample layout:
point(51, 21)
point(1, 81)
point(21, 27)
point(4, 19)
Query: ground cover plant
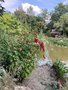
point(58, 41)
point(60, 69)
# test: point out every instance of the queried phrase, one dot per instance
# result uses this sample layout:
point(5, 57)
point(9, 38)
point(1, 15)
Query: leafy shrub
point(60, 69)
point(17, 47)
point(10, 24)
point(17, 54)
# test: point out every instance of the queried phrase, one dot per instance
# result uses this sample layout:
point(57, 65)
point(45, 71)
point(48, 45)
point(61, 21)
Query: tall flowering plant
point(42, 46)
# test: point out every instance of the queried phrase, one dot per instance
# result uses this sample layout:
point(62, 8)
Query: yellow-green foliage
point(9, 23)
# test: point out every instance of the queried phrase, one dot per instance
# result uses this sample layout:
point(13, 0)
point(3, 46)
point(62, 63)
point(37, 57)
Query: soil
point(40, 78)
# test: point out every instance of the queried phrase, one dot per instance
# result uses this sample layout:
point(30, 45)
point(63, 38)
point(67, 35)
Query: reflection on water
point(56, 52)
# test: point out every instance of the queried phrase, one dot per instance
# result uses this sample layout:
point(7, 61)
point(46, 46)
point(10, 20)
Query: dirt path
point(40, 79)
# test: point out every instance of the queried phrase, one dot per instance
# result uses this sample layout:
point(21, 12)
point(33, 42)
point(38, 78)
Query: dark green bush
point(60, 69)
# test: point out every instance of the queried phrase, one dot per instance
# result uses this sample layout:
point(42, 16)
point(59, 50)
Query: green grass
point(58, 41)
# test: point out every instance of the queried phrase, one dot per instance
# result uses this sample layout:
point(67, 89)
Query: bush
point(60, 69)
point(10, 24)
point(17, 54)
point(17, 47)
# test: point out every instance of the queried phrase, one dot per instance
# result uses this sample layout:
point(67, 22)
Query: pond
point(56, 52)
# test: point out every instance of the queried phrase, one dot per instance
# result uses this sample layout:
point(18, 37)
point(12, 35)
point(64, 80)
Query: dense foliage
point(17, 47)
point(59, 20)
point(16, 55)
point(19, 32)
point(58, 41)
point(1, 8)
point(62, 24)
point(60, 9)
point(17, 58)
point(36, 23)
point(60, 69)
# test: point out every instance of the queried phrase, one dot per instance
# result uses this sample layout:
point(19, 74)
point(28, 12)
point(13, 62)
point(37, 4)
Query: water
point(52, 53)
point(56, 52)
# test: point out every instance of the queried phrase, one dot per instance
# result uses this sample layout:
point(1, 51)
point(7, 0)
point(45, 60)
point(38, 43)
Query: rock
point(21, 88)
point(6, 88)
point(43, 82)
point(66, 63)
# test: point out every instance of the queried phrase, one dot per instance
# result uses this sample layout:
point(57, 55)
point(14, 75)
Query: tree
point(60, 9)
point(2, 0)
point(35, 23)
point(30, 11)
point(21, 15)
point(62, 24)
point(44, 14)
point(1, 8)
point(40, 24)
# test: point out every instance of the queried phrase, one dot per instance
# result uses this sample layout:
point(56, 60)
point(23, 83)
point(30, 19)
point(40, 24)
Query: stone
point(21, 88)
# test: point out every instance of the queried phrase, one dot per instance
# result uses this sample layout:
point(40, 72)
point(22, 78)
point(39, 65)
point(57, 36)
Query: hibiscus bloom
point(36, 40)
point(42, 46)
